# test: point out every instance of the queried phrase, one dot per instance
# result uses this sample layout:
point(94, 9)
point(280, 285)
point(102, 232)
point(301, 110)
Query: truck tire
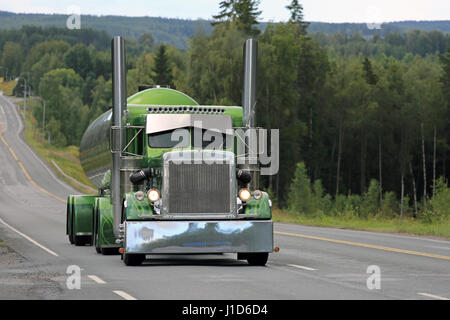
point(257, 259)
point(110, 251)
point(81, 241)
point(133, 259)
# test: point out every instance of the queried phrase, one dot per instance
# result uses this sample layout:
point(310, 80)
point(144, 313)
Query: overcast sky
point(315, 10)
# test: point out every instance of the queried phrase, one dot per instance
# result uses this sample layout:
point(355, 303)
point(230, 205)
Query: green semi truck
point(169, 176)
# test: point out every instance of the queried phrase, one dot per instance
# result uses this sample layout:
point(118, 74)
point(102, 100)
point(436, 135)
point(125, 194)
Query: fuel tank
point(95, 148)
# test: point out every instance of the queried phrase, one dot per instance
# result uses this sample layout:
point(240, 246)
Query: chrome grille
point(195, 189)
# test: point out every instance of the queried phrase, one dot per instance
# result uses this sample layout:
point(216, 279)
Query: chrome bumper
point(165, 237)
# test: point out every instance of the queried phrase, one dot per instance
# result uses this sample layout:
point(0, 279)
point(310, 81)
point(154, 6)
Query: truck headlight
point(153, 195)
point(245, 194)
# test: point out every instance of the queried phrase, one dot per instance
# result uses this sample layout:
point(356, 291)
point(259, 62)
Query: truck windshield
point(179, 138)
point(186, 137)
point(210, 139)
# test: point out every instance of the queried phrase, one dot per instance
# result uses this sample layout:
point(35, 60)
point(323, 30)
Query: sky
point(273, 10)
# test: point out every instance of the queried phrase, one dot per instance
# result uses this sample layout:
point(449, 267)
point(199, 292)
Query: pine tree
point(227, 13)
point(371, 77)
point(162, 69)
point(445, 78)
point(296, 10)
point(243, 12)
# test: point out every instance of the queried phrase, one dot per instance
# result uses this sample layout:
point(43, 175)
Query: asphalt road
point(313, 263)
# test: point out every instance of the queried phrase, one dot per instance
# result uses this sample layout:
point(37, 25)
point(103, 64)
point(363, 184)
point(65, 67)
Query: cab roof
point(162, 97)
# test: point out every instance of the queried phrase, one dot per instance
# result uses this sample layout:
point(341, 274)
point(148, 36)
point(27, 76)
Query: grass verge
point(66, 158)
point(407, 226)
point(7, 87)
point(2, 244)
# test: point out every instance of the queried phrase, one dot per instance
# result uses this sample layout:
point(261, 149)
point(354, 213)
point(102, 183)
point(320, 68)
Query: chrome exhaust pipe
point(119, 106)
point(249, 104)
point(249, 98)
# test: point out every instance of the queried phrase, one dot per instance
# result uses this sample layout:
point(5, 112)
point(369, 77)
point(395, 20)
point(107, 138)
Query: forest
point(364, 120)
point(177, 32)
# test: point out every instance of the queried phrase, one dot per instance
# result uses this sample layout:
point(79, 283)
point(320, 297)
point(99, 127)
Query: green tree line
point(363, 121)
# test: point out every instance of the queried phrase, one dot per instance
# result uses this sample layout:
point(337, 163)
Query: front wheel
point(133, 259)
point(258, 259)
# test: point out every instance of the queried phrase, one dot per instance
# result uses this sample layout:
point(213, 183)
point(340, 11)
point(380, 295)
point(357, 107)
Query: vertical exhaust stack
point(119, 106)
point(249, 104)
point(250, 65)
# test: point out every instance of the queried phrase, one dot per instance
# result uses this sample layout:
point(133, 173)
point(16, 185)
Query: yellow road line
point(433, 296)
point(96, 279)
point(26, 172)
point(124, 295)
point(365, 245)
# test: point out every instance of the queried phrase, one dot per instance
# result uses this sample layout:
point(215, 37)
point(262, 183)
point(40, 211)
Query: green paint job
point(93, 213)
point(103, 223)
point(161, 96)
point(259, 207)
point(237, 114)
point(80, 212)
point(69, 216)
point(138, 210)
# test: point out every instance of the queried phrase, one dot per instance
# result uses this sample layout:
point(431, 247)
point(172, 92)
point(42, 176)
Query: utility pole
point(25, 103)
point(43, 125)
point(25, 99)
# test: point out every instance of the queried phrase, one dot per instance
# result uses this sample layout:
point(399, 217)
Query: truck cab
point(174, 177)
point(183, 190)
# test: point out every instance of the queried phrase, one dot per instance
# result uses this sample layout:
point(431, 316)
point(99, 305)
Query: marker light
point(245, 194)
point(153, 195)
point(139, 195)
point(257, 195)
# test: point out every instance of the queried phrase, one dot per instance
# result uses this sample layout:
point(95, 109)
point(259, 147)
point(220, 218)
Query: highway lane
point(314, 263)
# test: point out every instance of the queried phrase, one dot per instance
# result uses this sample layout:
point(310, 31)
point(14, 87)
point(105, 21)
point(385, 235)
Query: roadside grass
point(3, 244)
point(7, 87)
point(376, 224)
point(66, 158)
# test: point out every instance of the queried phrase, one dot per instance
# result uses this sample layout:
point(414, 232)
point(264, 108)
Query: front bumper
point(166, 237)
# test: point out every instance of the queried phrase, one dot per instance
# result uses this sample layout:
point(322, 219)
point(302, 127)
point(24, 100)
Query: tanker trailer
point(168, 176)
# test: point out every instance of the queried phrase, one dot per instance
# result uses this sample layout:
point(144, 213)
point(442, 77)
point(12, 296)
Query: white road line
point(96, 279)
point(432, 296)
point(301, 267)
point(28, 238)
point(124, 295)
